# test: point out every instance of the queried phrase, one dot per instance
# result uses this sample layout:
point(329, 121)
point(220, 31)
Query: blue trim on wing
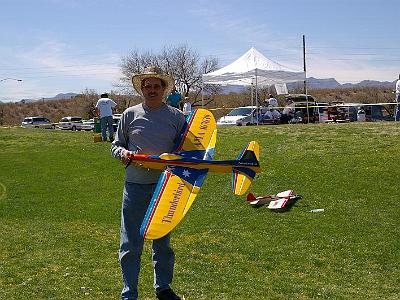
point(241, 153)
point(162, 181)
point(200, 154)
point(193, 176)
point(184, 131)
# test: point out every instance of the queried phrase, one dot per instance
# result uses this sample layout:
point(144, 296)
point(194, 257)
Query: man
point(276, 115)
point(187, 107)
point(288, 112)
point(271, 101)
point(104, 108)
point(397, 117)
point(151, 127)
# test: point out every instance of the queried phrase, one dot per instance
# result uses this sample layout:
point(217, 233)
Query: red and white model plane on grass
point(280, 202)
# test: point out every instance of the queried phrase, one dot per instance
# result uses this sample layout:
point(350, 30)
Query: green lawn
point(60, 199)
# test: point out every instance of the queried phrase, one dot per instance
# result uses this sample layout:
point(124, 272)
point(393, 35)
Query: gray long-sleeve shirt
point(149, 131)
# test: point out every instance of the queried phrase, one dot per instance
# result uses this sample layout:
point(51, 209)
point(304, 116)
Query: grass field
point(60, 199)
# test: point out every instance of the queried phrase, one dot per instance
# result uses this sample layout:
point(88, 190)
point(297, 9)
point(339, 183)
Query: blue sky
point(58, 46)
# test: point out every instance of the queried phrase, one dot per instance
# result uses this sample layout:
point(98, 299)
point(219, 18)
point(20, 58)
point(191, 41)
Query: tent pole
point(202, 96)
point(256, 99)
point(251, 97)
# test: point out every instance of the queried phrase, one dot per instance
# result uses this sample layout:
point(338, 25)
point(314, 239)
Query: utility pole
point(305, 77)
point(304, 64)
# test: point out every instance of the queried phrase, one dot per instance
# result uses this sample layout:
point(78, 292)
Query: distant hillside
point(371, 83)
point(331, 83)
point(316, 83)
point(60, 96)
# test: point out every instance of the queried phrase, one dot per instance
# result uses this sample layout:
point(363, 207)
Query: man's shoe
point(167, 294)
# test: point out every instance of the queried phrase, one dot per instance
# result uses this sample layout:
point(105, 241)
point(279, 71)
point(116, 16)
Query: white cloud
point(51, 67)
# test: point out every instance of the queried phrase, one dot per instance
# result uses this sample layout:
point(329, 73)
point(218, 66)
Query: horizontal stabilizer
point(242, 176)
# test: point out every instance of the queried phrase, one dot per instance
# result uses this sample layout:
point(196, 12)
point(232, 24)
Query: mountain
point(316, 83)
point(371, 83)
point(60, 96)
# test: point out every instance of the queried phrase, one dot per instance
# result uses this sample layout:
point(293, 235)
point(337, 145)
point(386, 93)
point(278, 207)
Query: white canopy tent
point(253, 68)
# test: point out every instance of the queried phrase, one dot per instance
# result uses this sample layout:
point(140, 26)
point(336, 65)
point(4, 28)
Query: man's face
point(153, 92)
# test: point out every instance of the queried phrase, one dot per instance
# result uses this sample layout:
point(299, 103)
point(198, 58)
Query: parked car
point(245, 115)
point(37, 122)
point(348, 112)
point(116, 119)
point(253, 118)
point(88, 125)
point(377, 112)
point(70, 123)
point(299, 98)
point(321, 112)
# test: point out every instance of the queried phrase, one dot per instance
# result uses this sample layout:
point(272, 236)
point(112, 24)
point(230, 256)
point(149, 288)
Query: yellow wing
point(176, 190)
point(200, 135)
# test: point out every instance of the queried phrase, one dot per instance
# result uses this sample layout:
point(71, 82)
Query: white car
point(37, 122)
point(116, 119)
point(88, 125)
point(70, 123)
point(245, 115)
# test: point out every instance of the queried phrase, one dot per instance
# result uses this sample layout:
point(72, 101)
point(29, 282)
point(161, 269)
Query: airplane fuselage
point(218, 166)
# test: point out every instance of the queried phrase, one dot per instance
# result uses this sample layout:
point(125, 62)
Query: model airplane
point(282, 201)
point(185, 170)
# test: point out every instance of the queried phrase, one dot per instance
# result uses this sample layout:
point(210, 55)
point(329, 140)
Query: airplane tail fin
point(243, 176)
point(251, 197)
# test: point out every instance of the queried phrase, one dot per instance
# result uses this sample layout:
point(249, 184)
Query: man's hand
point(125, 157)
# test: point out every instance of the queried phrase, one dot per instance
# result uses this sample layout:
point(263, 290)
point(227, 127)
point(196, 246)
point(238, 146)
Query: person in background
point(174, 99)
point(272, 115)
point(288, 112)
point(271, 101)
point(187, 107)
point(151, 127)
point(276, 115)
point(397, 117)
point(104, 107)
point(266, 116)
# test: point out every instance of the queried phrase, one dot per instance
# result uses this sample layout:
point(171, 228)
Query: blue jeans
point(397, 113)
point(107, 122)
point(135, 200)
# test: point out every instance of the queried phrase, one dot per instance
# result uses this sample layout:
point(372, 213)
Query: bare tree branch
point(181, 62)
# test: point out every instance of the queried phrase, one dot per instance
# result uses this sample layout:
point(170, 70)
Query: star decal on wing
point(186, 173)
point(169, 169)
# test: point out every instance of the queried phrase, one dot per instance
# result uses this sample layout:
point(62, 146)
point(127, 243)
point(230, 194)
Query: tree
point(183, 63)
point(90, 98)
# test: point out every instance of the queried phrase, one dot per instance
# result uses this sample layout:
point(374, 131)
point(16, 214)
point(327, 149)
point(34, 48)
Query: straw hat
point(153, 72)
